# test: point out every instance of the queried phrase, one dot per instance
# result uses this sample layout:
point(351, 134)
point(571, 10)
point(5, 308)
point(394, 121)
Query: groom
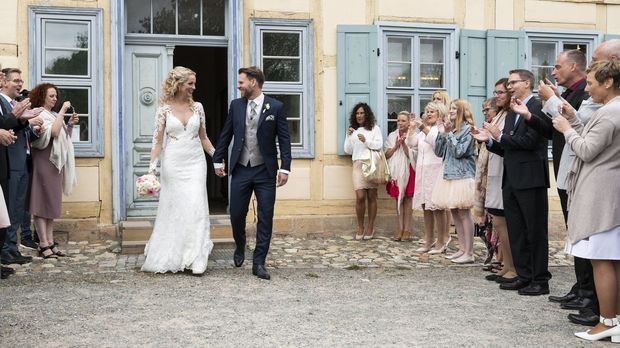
point(257, 123)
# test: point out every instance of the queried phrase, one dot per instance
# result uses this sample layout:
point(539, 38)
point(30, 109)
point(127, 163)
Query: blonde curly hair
point(174, 79)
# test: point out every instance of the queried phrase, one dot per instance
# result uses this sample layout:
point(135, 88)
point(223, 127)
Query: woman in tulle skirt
point(455, 187)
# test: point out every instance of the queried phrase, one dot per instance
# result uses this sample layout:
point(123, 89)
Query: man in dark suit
point(569, 72)
point(524, 187)
point(257, 123)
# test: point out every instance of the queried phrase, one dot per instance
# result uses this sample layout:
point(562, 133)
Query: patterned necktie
point(252, 110)
point(13, 103)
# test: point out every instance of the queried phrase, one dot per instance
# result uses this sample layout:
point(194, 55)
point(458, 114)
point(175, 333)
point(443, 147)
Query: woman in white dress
point(181, 238)
point(594, 194)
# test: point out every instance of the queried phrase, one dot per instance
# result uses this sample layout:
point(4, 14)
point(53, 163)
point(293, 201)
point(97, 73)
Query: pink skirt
point(454, 194)
point(359, 181)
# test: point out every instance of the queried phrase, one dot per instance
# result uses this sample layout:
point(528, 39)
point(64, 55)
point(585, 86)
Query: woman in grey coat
point(594, 193)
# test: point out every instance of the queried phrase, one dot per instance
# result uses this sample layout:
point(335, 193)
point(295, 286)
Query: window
point(176, 17)
point(418, 63)
point(66, 47)
point(544, 46)
point(283, 50)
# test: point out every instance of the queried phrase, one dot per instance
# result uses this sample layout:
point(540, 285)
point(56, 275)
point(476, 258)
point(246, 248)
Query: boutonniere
point(266, 107)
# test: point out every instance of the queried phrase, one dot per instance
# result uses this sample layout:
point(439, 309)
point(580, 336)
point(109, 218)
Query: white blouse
point(358, 149)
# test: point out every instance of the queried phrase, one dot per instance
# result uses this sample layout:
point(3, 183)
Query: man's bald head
point(607, 50)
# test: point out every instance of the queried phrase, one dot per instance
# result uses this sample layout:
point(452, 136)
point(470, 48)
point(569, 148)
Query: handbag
point(376, 169)
point(392, 189)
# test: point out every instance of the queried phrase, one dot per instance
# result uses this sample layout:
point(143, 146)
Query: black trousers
point(4, 183)
point(526, 218)
point(584, 287)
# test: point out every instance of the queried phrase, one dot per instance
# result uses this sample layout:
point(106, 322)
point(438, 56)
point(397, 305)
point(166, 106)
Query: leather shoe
point(534, 290)
point(502, 280)
point(239, 256)
point(8, 270)
point(562, 299)
point(515, 285)
point(261, 272)
point(491, 277)
point(585, 317)
point(19, 259)
point(577, 303)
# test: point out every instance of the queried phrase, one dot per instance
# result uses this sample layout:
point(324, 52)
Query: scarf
point(61, 155)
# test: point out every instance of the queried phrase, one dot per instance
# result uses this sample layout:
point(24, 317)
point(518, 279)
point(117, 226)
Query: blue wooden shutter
point(472, 67)
point(610, 37)
point(505, 51)
point(357, 64)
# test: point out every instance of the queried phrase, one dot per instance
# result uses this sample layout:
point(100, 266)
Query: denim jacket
point(458, 153)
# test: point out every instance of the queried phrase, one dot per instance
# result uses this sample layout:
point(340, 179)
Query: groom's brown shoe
point(261, 272)
point(239, 257)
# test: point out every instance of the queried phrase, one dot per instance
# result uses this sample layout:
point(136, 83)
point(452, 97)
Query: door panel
point(146, 67)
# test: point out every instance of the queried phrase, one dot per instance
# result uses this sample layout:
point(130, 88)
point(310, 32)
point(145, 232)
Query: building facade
point(320, 57)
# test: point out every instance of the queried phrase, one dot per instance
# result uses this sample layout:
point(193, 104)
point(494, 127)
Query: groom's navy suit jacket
point(272, 127)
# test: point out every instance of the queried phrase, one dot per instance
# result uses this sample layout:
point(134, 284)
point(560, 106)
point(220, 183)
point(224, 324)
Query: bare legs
point(404, 220)
point(607, 283)
point(361, 196)
point(508, 270)
point(45, 230)
point(465, 231)
point(432, 219)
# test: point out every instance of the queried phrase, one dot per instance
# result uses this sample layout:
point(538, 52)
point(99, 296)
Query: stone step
point(136, 232)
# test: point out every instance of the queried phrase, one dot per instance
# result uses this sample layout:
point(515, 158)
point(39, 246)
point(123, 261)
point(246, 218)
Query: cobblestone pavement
point(285, 252)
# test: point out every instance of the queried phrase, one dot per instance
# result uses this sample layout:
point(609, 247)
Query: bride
point(180, 238)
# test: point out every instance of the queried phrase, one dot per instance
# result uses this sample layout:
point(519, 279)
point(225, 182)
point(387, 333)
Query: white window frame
point(93, 81)
point(305, 87)
point(451, 67)
point(558, 36)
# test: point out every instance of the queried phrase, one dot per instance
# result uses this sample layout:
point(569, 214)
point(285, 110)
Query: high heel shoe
point(57, 252)
point(42, 250)
point(613, 331)
point(441, 250)
point(398, 236)
point(369, 236)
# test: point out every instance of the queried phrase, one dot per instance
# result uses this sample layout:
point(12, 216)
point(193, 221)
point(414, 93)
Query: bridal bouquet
point(147, 185)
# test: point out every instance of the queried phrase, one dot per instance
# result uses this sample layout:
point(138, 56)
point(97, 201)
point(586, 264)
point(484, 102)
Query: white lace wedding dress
point(181, 238)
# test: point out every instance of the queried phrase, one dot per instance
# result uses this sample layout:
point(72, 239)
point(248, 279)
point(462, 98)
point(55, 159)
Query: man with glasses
point(524, 187)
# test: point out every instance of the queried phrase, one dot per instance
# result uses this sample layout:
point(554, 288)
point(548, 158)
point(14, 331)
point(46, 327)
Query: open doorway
point(211, 67)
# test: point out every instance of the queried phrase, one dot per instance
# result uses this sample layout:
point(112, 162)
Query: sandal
point(406, 236)
point(42, 251)
point(57, 252)
point(398, 236)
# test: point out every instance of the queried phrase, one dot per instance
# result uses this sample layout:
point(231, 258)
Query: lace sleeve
point(202, 132)
point(160, 125)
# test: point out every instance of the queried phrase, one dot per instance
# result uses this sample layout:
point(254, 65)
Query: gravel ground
point(431, 306)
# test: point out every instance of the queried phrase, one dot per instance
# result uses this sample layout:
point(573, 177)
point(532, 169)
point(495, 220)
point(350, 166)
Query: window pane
point(583, 47)
point(396, 104)
point(431, 75)
point(282, 69)
point(294, 131)
point(424, 100)
point(541, 73)
point(66, 62)
point(399, 49)
point(292, 110)
point(138, 16)
point(189, 17)
point(79, 100)
point(399, 75)
point(164, 16)
point(281, 44)
point(213, 17)
point(66, 35)
point(431, 51)
point(543, 53)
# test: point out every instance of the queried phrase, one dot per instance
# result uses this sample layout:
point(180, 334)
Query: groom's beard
point(247, 93)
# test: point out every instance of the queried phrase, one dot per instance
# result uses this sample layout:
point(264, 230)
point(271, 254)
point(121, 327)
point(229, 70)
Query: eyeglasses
point(513, 82)
point(18, 81)
point(499, 92)
point(486, 109)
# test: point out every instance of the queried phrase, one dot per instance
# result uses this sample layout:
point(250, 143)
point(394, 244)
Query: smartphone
point(70, 111)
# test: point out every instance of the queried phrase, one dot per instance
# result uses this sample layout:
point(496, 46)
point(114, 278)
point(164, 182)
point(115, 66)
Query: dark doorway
point(211, 67)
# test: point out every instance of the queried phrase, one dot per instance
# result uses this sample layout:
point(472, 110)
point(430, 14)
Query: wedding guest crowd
point(505, 177)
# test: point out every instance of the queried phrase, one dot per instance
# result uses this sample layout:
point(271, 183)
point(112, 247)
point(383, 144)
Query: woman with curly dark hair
point(363, 134)
point(53, 166)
